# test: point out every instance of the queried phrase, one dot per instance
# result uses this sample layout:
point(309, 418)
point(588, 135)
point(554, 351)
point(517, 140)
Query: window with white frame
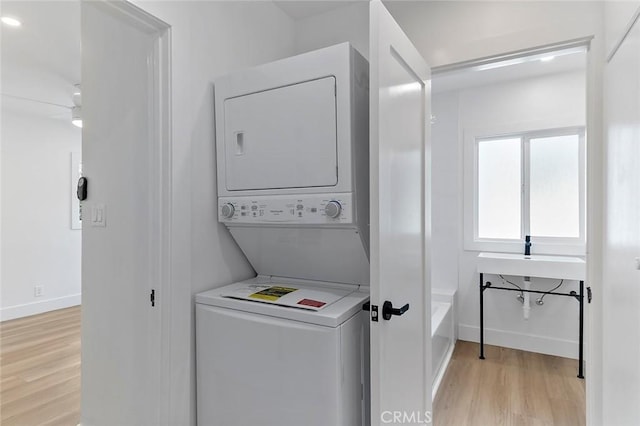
point(529, 184)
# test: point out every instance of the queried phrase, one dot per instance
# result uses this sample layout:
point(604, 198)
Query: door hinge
point(589, 294)
point(152, 298)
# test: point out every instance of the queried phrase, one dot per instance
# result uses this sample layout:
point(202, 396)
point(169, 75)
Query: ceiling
point(40, 61)
point(300, 9)
point(454, 80)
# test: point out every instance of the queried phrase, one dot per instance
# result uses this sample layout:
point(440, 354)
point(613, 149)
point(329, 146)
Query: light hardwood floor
point(40, 380)
point(509, 387)
point(40, 369)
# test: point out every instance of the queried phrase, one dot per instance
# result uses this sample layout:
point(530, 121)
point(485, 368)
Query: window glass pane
point(499, 188)
point(555, 186)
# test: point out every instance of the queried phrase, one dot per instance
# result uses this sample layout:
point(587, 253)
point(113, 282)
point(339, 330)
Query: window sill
point(559, 249)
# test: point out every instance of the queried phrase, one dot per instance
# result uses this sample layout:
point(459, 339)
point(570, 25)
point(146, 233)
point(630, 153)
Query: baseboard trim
point(39, 307)
point(524, 342)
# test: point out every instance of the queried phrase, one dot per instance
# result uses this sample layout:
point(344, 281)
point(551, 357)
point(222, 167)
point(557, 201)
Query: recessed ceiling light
point(547, 58)
point(12, 22)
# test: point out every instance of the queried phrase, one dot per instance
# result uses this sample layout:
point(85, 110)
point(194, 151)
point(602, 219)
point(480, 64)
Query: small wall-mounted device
point(82, 189)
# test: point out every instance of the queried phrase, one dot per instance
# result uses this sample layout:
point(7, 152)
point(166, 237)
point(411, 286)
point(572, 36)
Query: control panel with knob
point(330, 209)
point(333, 209)
point(227, 210)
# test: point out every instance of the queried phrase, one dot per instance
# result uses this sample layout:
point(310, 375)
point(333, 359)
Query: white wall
point(621, 277)
point(209, 39)
point(349, 23)
point(543, 102)
point(534, 103)
point(38, 245)
point(446, 202)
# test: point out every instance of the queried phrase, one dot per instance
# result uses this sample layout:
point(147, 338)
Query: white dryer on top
point(292, 143)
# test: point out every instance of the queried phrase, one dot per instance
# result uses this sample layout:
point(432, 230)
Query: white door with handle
point(400, 234)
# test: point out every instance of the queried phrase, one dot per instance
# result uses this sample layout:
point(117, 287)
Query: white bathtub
point(442, 334)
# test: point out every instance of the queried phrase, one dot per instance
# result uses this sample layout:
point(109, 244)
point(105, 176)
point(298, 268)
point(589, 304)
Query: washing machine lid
point(286, 295)
point(324, 304)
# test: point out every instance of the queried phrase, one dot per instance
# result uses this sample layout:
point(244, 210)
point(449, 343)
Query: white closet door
point(123, 240)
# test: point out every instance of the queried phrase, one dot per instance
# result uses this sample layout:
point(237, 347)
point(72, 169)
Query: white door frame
point(160, 171)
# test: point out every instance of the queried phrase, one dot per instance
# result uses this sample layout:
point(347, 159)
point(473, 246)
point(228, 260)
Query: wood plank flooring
point(40, 380)
point(510, 388)
point(40, 369)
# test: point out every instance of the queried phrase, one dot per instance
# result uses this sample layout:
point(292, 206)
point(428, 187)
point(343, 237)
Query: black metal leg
point(581, 337)
point(481, 316)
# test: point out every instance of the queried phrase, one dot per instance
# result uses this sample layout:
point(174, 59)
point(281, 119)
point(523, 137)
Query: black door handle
point(388, 310)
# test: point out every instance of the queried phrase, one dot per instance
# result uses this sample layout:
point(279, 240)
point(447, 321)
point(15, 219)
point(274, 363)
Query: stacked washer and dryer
point(290, 347)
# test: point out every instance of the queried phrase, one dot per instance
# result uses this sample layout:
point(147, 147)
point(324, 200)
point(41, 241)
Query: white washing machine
point(289, 347)
point(278, 352)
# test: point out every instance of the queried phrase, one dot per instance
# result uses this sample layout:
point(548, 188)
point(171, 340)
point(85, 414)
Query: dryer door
point(282, 138)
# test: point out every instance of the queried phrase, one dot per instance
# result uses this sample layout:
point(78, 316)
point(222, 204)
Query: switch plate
point(37, 291)
point(99, 215)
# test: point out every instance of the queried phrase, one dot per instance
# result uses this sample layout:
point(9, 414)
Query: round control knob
point(333, 209)
point(228, 210)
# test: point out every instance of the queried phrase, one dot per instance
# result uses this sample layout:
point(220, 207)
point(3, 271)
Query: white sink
point(558, 267)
